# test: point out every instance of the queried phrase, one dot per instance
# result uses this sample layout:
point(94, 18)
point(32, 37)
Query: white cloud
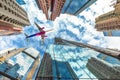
point(113, 42)
point(74, 20)
point(74, 30)
point(101, 6)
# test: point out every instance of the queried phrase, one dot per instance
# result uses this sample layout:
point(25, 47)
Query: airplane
point(41, 33)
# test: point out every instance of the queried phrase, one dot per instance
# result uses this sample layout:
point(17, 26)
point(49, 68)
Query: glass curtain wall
point(77, 57)
point(24, 62)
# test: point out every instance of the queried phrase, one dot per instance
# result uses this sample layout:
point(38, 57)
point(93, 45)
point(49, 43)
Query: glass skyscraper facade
point(8, 70)
point(80, 56)
point(20, 64)
point(53, 8)
point(109, 59)
point(77, 57)
point(63, 71)
point(63, 60)
point(51, 69)
point(76, 6)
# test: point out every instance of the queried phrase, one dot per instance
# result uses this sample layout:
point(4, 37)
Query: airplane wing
point(49, 30)
point(40, 29)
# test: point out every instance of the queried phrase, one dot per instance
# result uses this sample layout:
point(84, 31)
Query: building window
point(5, 18)
point(8, 20)
point(0, 17)
point(11, 21)
point(15, 13)
point(0, 4)
point(8, 3)
point(9, 10)
point(12, 12)
point(5, 7)
point(5, 1)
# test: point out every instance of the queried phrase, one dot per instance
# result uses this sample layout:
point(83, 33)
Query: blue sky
point(78, 28)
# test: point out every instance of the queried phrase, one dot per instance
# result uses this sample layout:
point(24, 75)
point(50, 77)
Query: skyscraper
point(78, 54)
point(109, 22)
point(12, 17)
point(19, 64)
point(106, 66)
point(13, 71)
point(55, 70)
point(109, 52)
point(75, 7)
point(10, 71)
point(108, 59)
point(53, 8)
point(45, 69)
point(102, 69)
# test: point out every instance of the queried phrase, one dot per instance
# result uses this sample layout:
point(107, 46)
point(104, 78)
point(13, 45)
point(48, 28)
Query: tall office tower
point(12, 18)
point(55, 70)
point(77, 54)
point(19, 64)
point(109, 59)
point(63, 70)
point(109, 52)
point(75, 7)
point(45, 69)
point(109, 22)
point(9, 70)
point(53, 8)
point(103, 70)
point(13, 71)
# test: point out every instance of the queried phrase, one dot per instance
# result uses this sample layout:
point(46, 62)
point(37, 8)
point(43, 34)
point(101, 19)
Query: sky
point(79, 28)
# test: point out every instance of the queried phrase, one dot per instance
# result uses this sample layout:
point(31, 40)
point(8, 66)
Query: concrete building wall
point(58, 5)
point(55, 7)
point(109, 21)
point(102, 69)
point(73, 7)
point(117, 7)
point(12, 17)
point(43, 5)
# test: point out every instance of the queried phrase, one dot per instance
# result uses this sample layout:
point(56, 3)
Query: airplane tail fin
point(26, 37)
